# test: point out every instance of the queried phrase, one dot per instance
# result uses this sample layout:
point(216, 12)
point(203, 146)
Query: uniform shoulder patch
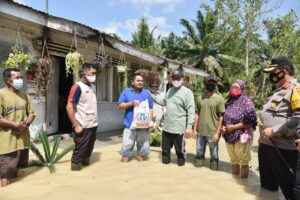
point(295, 99)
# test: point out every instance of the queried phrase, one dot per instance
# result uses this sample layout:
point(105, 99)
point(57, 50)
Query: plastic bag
point(141, 116)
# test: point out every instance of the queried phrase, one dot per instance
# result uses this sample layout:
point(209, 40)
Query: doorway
point(65, 83)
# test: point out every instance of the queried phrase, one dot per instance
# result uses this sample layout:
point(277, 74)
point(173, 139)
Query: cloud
point(113, 27)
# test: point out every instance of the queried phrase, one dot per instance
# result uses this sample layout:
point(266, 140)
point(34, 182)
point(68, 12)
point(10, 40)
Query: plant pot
point(155, 144)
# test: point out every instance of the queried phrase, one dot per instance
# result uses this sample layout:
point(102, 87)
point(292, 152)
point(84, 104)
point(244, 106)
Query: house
point(35, 26)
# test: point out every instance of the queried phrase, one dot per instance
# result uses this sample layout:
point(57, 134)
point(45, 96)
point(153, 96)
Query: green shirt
point(180, 109)
point(208, 109)
point(14, 107)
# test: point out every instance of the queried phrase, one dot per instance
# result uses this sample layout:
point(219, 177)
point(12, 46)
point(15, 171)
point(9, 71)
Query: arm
point(217, 134)
point(159, 100)
point(190, 109)
point(73, 98)
point(196, 122)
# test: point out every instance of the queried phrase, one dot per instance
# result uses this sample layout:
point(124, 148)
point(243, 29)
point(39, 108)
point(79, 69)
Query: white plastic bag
point(141, 116)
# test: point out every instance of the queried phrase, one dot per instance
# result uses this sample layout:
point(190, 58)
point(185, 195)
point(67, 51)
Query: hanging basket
point(121, 68)
point(102, 61)
point(17, 58)
point(73, 61)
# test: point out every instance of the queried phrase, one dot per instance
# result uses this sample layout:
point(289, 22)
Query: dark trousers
point(273, 171)
point(84, 144)
point(297, 182)
point(168, 140)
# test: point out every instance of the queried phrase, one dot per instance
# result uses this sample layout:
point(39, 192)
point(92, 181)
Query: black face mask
point(210, 87)
point(276, 77)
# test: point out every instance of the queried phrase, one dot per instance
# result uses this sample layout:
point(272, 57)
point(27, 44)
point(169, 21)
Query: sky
point(122, 16)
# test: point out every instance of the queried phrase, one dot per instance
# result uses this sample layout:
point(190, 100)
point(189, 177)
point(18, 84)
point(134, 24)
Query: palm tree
point(143, 37)
point(204, 44)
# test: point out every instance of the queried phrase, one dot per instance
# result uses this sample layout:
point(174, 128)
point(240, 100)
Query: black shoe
point(181, 162)
point(75, 167)
point(166, 160)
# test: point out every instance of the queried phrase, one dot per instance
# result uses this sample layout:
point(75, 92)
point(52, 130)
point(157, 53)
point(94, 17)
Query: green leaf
point(64, 152)
point(46, 146)
point(37, 152)
point(55, 147)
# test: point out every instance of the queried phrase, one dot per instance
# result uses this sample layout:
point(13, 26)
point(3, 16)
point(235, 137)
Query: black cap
point(279, 62)
point(210, 78)
point(177, 73)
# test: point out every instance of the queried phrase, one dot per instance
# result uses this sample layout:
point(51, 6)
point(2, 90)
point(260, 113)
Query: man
point(130, 98)
point(179, 118)
point(16, 115)
point(279, 118)
point(208, 123)
point(82, 112)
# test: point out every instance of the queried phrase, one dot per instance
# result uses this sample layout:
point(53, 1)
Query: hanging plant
point(43, 73)
point(17, 58)
point(122, 68)
point(154, 82)
point(102, 61)
point(73, 61)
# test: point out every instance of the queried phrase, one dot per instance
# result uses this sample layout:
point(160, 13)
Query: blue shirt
point(128, 95)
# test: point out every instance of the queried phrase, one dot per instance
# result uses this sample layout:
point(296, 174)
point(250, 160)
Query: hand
point(135, 103)
point(216, 137)
point(298, 144)
point(78, 129)
point(223, 130)
point(268, 133)
point(188, 133)
point(151, 124)
point(229, 128)
point(20, 127)
point(195, 133)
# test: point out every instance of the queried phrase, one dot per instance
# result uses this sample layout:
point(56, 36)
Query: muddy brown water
point(108, 178)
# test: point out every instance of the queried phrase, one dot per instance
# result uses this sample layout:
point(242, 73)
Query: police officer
point(279, 118)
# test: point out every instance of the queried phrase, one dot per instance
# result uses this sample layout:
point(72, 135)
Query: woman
point(238, 126)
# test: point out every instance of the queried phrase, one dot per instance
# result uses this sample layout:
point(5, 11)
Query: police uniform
point(281, 112)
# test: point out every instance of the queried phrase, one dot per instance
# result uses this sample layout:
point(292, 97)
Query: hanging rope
point(19, 39)
point(74, 40)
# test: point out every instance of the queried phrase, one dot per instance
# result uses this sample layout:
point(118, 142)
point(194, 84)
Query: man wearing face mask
point(208, 123)
point(179, 118)
point(82, 112)
point(279, 118)
point(16, 115)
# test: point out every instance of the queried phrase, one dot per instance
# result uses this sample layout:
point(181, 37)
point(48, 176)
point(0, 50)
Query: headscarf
point(239, 109)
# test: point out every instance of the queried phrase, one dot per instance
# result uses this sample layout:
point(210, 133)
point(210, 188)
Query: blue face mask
point(17, 83)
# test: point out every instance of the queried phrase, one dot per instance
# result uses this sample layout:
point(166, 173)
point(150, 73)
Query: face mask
point(235, 92)
point(210, 87)
point(91, 79)
point(176, 84)
point(17, 83)
point(276, 77)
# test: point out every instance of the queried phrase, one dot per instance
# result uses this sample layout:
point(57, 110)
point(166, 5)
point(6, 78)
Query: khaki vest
point(86, 108)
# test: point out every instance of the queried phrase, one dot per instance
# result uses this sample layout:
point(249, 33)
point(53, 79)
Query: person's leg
point(267, 178)
point(91, 137)
point(81, 143)
point(143, 146)
point(8, 167)
point(214, 154)
point(179, 144)
point(235, 167)
point(284, 176)
point(296, 187)
point(244, 157)
point(200, 150)
point(129, 137)
point(166, 146)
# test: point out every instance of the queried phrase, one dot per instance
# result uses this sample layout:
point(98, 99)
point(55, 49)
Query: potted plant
point(155, 139)
point(43, 74)
point(17, 58)
point(73, 61)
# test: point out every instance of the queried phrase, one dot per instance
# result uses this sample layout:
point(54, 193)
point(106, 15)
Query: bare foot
point(141, 158)
point(125, 159)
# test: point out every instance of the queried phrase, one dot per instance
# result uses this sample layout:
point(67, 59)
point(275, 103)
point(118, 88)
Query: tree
point(204, 43)
point(248, 15)
point(143, 37)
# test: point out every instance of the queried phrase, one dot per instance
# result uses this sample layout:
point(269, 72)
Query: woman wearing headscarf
point(238, 127)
